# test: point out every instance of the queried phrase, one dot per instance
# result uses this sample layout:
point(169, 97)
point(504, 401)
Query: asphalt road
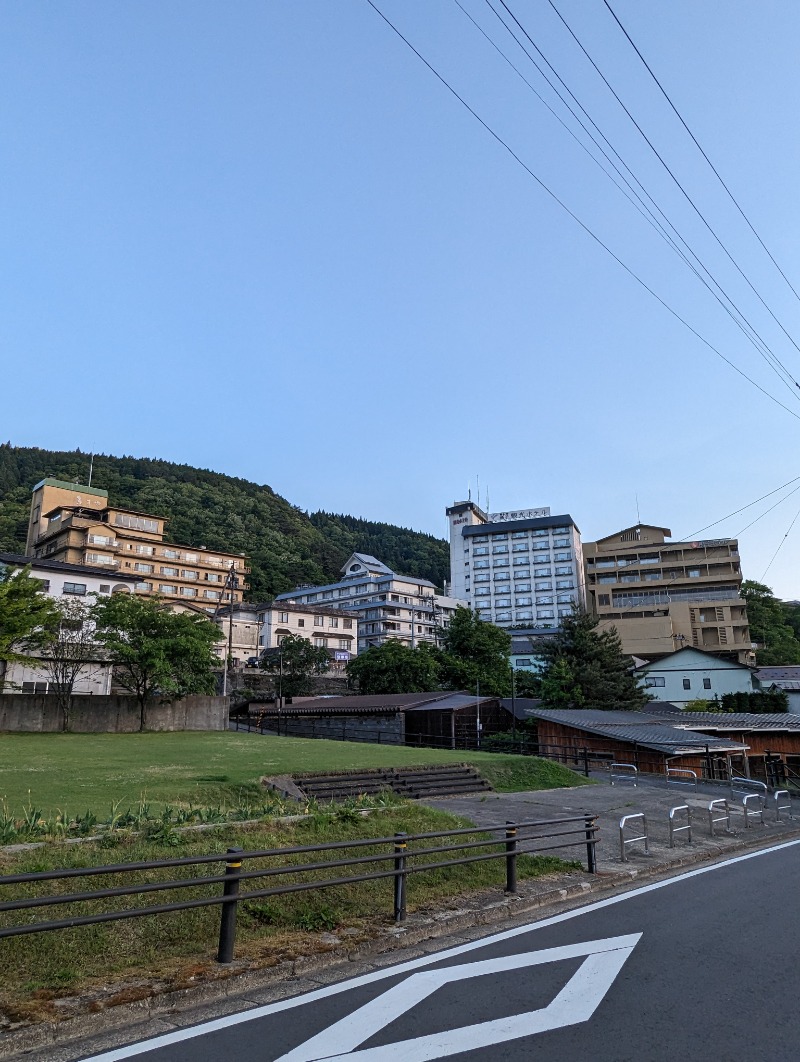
point(701, 966)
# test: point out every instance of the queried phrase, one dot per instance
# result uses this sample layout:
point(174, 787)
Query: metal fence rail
point(625, 841)
point(717, 805)
point(624, 772)
point(686, 828)
point(688, 777)
point(538, 837)
point(782, 795)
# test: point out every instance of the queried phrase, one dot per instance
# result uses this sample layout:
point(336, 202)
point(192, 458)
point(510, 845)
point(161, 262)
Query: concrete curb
point(103, 1016)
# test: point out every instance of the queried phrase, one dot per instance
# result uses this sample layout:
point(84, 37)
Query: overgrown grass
point(80, 773)
point(181, 945)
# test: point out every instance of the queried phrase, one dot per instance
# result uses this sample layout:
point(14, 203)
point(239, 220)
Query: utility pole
point(413, 628)
point(513, 702)
point(478, 711)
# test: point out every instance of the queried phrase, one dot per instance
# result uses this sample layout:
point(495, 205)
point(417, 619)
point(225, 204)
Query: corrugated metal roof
point(454, 703)
point(744, 721)
point(661, 734)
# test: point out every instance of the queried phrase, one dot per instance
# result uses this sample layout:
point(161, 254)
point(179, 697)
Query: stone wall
point(117, 714)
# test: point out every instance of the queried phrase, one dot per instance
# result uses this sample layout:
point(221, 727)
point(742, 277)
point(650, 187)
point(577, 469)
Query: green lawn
point(80, 772)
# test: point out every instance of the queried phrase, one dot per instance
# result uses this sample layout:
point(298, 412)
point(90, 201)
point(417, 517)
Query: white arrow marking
point(575, 1003)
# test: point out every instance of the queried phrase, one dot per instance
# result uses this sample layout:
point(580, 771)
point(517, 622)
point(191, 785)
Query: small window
point(283, 617)
point(333, 621)
point(655, 680)
point(301, 623)
point(319, 621)
point(706, 683)
point(78, 589)
point(687, 684)
point(105, 588)
point(603, 599)
point(347, 624)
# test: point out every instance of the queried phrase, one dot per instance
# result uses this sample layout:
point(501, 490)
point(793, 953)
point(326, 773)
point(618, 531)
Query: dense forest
point(286, 545)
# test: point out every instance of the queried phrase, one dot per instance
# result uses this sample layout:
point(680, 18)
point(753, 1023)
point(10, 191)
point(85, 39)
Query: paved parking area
point(611, 803)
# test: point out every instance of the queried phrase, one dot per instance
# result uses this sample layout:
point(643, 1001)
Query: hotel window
point(347, 624)
point(520, 561)
point(101, 540)
point(146, 551)
point(144, 586)
point(564, 571)
point(499, 549)
point(483, 578)
point(603, 599)
point(319, 642)
point(319, 621)
point(78, 589)
point(606, 578)
point(560, 530)
point(544, 601)
point(187, 574)
point(563, 584)
point(546, 614)
point(189, 591)
point(520, 587)
point(523, 573)
point(481, 564)
point(523, 601)
point(520, 547)
point(301, 623)
point(480, 551)
point(283, 617)
point(558, 542)
point(165, 588)
point(692, 573)
point(502, 602)
point(344, 643)
point(480, 538)
point(482, 591)
point(191, 558)
point(212, 594)
point(140, 567)
point(135, 523)
point(563, 556)
point(520, 534)
point(544, 586)
point(173, 572)
point(333, 621)
point(501, 562)
point(502, 577)
point(100, 559)
point(541, 572)
point(213, 577)
point(524, 616)
point(503, 617)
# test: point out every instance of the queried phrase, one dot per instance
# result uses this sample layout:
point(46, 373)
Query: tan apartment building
point(662, 596)
point(75, 524)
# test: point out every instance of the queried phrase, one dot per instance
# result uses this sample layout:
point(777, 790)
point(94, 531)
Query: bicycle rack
point(624, 842)
point(671, 780)
point(748, 812)
point(616, 775)
point(673, 829)
point(782, 807)
point(725, 817)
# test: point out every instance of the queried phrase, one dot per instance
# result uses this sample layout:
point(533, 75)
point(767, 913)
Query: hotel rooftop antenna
point(638, 518)
point(91, 469)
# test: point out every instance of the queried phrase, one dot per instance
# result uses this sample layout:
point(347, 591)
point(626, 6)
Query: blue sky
point(262, 238)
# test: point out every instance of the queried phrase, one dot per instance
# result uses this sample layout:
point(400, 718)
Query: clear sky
point(263, 238)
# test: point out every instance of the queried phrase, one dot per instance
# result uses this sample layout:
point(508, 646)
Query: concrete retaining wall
point(117, 714)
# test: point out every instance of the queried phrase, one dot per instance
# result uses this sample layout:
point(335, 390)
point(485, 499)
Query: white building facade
point(518, 567)
point(72, 582)
point(385, 604)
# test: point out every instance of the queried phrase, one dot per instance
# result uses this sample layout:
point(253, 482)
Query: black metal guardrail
point(580, 829)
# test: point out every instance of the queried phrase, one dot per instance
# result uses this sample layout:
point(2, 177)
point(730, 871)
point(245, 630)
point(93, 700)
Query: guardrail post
point(400, 847)
point(511, 857)
point(230, 891)
point(782, 807)
point(591, 843)
point(586, 762)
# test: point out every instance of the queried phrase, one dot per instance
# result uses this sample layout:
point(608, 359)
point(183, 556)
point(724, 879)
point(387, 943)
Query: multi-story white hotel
point(387, 605)
point(521, 567)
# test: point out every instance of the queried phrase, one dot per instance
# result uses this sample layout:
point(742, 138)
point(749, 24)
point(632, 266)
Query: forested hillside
point(286, 546)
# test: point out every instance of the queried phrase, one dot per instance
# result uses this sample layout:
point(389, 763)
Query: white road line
point(575, 1003)
point(132, 1050)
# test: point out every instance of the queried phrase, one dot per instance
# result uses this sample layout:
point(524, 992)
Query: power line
point(780, 545)
point(683, 191)
point(577, 220)
point(733, 311)
point(737, 511)
point(766, 511)
point(700, 148)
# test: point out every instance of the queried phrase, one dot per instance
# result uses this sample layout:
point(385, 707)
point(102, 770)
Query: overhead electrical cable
point(496, 136)
point(663, 162)
point(699, 147)
point(733, 311)
point(766, 511)
point(780, 545)
point(737, 511)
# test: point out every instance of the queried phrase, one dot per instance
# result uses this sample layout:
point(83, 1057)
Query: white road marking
point(575, 1003)
point(166, 1039)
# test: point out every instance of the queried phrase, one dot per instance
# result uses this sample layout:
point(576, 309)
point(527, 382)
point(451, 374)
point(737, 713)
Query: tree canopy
point(27, 616)
point(295, 661)
point(393, 668)
point(586, 668)
point(154, 650)
point(771, 626)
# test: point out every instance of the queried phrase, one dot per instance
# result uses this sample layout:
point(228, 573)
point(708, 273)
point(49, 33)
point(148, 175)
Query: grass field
point(79, 772)
point(179, 947)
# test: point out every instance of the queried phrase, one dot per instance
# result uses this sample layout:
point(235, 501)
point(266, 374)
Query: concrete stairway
point(409, 783)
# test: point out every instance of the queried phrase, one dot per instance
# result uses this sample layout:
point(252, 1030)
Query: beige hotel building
point(75, 524)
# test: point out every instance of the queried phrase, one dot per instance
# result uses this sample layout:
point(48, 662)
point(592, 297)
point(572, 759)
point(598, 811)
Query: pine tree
point(586, 668)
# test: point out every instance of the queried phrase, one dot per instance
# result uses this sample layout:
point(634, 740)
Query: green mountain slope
point(285, 545)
